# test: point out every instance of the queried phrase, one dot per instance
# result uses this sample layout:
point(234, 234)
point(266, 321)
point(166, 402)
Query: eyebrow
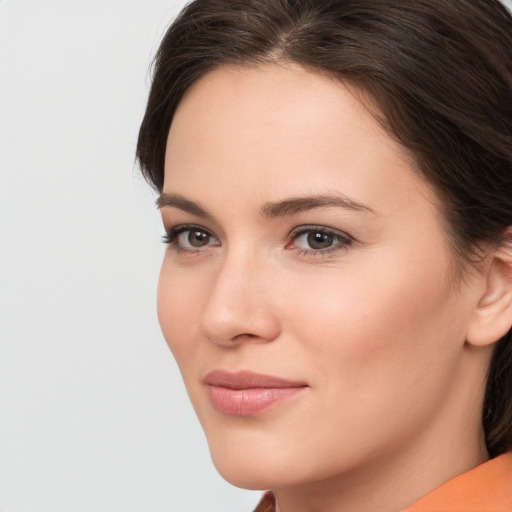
point(296, 205)
point(177, 201)
point(270, 210)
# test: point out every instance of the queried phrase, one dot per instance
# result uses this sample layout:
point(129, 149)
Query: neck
point(390, 486)
point(390, 482)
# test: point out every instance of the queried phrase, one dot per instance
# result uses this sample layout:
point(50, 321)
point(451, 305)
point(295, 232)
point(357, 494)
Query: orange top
point(487, 488)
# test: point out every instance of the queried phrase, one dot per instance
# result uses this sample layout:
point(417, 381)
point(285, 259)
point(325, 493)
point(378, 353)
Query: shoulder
point(487, 487)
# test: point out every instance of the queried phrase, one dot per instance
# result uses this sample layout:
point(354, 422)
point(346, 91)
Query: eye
point(193, 238)
point(318, 239)
point(189, 238)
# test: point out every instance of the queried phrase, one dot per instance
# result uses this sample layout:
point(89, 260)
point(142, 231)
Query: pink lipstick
point(246, 393)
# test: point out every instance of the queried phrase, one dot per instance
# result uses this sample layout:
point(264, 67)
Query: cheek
point(177, 305)
point(382, 350)
point(377, 322)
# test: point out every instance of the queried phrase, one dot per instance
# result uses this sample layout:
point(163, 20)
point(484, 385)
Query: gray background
point(93, 414)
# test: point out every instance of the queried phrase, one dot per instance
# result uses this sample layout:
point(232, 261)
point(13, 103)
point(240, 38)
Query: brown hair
point(440, 73)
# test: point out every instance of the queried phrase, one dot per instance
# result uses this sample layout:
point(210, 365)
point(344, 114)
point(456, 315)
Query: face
point(306, 291)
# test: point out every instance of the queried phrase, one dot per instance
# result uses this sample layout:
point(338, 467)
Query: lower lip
point(251, 401)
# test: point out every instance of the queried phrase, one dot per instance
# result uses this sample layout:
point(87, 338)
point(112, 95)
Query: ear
point(492, 318)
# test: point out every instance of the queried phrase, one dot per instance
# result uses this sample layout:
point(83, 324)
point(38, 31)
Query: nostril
point(231, 341)
point(231, 319)
point(234, 339)
point(242, 337)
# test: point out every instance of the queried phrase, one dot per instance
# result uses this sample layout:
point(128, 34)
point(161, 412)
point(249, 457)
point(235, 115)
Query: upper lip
point(248, 380)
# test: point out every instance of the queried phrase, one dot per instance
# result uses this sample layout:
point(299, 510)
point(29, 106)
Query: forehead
point(272, 129)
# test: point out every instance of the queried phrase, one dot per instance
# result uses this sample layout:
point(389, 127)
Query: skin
point(374, 324)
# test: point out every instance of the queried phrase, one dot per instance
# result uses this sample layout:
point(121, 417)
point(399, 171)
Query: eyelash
point(171, 237)
point(340, 240)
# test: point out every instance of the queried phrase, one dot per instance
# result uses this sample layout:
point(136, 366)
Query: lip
point(246, 393)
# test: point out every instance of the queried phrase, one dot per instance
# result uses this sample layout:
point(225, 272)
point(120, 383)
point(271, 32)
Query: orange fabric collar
point(487, 488)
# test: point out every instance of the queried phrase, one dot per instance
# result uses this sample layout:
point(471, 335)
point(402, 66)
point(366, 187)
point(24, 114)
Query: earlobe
point(492, 318)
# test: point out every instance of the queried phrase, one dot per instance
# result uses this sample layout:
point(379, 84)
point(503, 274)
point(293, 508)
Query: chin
point(246, 478)
point(242, 467)
point(251, 463)
point(248, 474)
point(266, 461)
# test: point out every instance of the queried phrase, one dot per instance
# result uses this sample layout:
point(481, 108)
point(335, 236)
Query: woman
point(335, 183)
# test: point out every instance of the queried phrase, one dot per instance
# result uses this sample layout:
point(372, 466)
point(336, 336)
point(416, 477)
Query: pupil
point(198, 238)
point(320, 240)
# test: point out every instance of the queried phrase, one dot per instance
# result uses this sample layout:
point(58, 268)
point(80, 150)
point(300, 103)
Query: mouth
point(247, 393)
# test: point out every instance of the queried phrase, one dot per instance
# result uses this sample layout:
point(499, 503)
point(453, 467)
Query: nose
point(239, 307)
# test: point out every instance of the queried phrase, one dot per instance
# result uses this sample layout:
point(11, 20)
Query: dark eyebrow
point(177, 201)
point(299, 204)
point(270, 210)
